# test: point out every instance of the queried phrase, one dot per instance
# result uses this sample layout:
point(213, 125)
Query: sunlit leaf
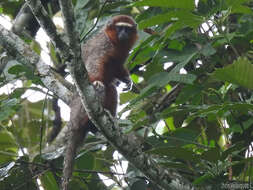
point(183, 17)
point(183, 4)
point(240, 73)
point(8, 147)
point(48, 181)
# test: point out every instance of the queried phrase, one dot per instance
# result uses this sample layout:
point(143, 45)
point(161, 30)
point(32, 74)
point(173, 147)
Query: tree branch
point(126, 144)
point(16, 47)
point(48, 166)
point(47, 24)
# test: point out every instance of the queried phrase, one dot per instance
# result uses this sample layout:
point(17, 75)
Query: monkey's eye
point(124, 28)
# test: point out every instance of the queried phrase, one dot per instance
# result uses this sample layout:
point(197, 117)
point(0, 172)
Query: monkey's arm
point(123, 75)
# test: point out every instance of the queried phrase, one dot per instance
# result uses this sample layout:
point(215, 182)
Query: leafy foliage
point(191, 104)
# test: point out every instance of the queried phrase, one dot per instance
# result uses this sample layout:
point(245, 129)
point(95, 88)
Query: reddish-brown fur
point(111, 32)
point(111, 63)
point(103, 56)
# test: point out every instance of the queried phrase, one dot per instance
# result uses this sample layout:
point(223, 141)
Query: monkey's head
point(122, 30)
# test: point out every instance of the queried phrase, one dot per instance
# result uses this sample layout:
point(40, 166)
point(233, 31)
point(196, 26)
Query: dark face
point(125, 32)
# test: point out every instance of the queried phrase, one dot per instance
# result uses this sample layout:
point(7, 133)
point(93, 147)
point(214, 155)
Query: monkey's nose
point(123, 35)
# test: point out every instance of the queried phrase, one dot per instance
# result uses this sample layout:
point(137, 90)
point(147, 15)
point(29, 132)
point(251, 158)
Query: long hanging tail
point(78, 129)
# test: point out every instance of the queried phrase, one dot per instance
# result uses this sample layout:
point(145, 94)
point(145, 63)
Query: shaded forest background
point(190, 107)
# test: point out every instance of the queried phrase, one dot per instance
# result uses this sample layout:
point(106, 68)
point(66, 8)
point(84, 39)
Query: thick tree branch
point(76, 64)
point(126, 144)
point(16, 47)
point(46, 23)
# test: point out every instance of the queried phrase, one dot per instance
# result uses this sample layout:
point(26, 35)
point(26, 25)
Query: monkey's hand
point(128, 83)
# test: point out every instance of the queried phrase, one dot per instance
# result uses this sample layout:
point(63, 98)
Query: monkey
point(104, 56)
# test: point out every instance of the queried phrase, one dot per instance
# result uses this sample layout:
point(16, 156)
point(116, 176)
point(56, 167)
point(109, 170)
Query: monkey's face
point(122, 30)
point(125, 31)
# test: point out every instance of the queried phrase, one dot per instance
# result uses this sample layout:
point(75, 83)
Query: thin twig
point(47, 24)
point(57, 122)
point(42, 123)
point(94, 26)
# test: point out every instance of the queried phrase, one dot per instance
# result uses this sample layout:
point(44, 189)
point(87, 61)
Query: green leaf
point(185, 18)
point(202, 179)
point(237, 128)
point(53, 54)
point(234, 149)
point(179, 66)
point(8, 147)
point(176, 152)
point(183, 4)
point(8, 108)
point(241, 9)
point(176, 165)
point(176, 45)
point(145, 54)
point(17, 93)
point(170, 123)
point(84, 161)
point(81, 4)
point(207, 50)
point(138, 49)
point(23, 70)
point(238, 7)
point(126, 97)
point(48, 181)
point(147, 91)
point(240, 73)
point(10, 7)
point(162, 79)
point(17, 69)
point(135, 78)
point(158, 19)
point(182, 136)
point(212, 155)
point(36, 47)
point(188, 92)
point(139, 185)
